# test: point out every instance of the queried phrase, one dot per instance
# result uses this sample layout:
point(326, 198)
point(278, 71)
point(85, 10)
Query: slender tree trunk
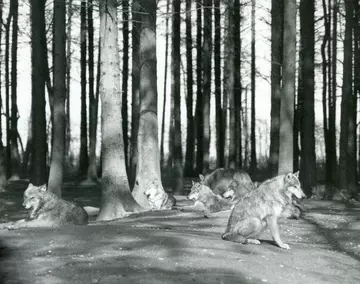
point(58, 149)
point(116, 197)
point(356, 55)
point(308, 158)
point(68, 80)
point(220, 131)
point(277, 24)
point(38, 174)
point(135, 89)
point(199, 92)
point(177, 171)
point(93, 104)
point(3, 179)
point(84, 158)
point(237, 83)
point(149, 155)
point(253, 164)
point(189, 158)
point(288, 89)
point(125, 78)
point(298, 110)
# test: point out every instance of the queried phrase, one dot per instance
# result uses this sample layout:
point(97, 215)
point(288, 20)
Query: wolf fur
point(158, 198)
point(207, 200)
point(48, 210)
point(261, 208)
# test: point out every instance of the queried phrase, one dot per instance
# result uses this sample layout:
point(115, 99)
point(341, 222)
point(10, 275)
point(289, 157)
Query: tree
point(38, 175)
point(307, 133)
point(177, 171)
point(288, 89)
point(253, 164)
point(84, 158)
point(148, 171)
point(276, 64)
point(116, 198)
point(125, 77)
point(189, 158)
point(58, 148)
point(93, 102)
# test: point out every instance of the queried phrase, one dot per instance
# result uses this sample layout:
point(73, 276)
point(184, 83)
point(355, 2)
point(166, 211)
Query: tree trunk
point(38, 174)
point(357, 54)
point(135, 89)
point(199, 94)
point(220, 131)
point(3, 179)
point(84, 158)
point(149, 155)
point(58, 149)
point(237, 83)
point(307, 133)
point(189, 158)
point(288, 89)
point(93, 104)
point(253, 164)
point(177, 171)
point(116, 197)
point(125, 78)
point(277, 24)
point(298, 110)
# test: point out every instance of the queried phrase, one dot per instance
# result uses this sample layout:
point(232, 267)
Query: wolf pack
point(253, 206)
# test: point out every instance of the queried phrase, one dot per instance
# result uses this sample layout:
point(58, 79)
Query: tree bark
point(38, 174)
point(116, 198)
point(3, 179)
point(58, 150)
point(288, 89)
point(149, 155)
point(253, 162)
point(125, 78)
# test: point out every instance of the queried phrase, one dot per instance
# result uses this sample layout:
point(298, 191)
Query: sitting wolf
point(48, 210)
point(159, 199)
point(205, 199)
point(261, 208)
point(219, 180)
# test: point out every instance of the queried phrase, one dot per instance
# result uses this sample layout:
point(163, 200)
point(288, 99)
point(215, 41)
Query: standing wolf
point(261, 208)
point(219, 180)
point(48, 210)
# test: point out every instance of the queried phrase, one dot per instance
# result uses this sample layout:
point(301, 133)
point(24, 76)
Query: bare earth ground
point(178, 247)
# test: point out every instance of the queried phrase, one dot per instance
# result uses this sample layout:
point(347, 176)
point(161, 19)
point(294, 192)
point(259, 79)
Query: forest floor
point(178, 247)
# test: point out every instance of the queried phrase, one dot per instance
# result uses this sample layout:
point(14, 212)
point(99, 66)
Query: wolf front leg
point(274, 229)
point(28, 224)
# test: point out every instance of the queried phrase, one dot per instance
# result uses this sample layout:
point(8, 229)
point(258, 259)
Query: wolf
point(207, 200)
point(261, 208)
point(48, 210)
point(159, 199)
point(219, 179)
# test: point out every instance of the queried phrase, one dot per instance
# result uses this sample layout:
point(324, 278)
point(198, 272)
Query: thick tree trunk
point(116, 197)
point(58, 149)
point(93, 104)
point(308, 158)
point(253, 162)
point(83, 158)
point(38, 174)
point(189, 158)
point(177, 171)
point(149, 154)
point(277, 24)
point(288, 89)
point(125, 78)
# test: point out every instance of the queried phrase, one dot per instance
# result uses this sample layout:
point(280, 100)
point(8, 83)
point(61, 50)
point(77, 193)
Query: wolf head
point(293, 186)
point(230, 192)
point(33, 196)
point(198, 189)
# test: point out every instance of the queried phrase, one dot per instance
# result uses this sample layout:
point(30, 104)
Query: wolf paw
point(284, 246)
point(253, 241)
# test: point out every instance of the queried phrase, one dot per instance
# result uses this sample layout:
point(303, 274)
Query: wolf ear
point(43, 188)
point(30, 184)
point(296, 174)
point(192, 182)
point(201, 177)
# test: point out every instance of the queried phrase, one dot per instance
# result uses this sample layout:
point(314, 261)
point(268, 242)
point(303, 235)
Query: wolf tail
point(91, 211)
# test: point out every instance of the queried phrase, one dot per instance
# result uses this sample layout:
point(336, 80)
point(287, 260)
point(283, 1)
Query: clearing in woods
point(178, 247)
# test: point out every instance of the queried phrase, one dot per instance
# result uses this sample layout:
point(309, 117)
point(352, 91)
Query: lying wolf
point(48, 210)
point(159, 199)
point(219, 180)
point(206, 200)
point(261, 208)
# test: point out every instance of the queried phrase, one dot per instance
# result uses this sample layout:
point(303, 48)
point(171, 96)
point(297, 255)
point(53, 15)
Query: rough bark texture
point(58, 148)
point(125, 78)
point(307, 133)
point(38, 174)
point(116, 197)
point(149, 154)
point(253, 163)
point(288, 89)
point(276, 64)
point(177, 171)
